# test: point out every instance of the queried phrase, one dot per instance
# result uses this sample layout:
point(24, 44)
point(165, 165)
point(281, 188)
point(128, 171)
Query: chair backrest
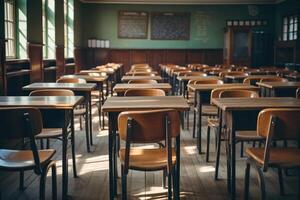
point(195, 74)
point(140, 65)
point(142, 70)
point(52, 92)
point(287, 124)
point(298, 93)
point(208, 81)
point(238, 94)
point(273, 79)
point(149, 126)
point(241, 73)
point(143, 81)
point(256, 72)
point(145, 92)
point(13, 122)
point(70, 80)
point(215, 93)
point(251, 80)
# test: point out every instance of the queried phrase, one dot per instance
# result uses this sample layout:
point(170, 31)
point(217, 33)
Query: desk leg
point(65, 156)
point(111, 154)
point(231, 125)
point(199, 124)
point(100, 105)
point(86, 98)
point(90, 118)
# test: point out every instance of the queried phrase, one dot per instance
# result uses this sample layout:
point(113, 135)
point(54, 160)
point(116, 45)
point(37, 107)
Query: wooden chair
point(143, 74)
point(251, 80)
point(21, 123)
point(239, 73)
point(143, 81)
point(144, 92)
point(273, 79)
point(142, 70)
point(56, 133)
point(140, 65)
point(80, 111)
point(298, 93)
point(195, 74)
point(207, 110)
point(150, 127)
point(274, 124)
point(241, 136)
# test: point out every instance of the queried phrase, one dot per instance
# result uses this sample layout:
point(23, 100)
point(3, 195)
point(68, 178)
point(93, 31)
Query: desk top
point(208, 87)
point(131, 73)
point(187, 78)
point(119, 104)
point(128, 78)
point(42, 102)
point(272, 85)
point(88, 78)
point(107, 71)
point(79, 87)
point(235, 77)
point(126, 86)
point(256, 103)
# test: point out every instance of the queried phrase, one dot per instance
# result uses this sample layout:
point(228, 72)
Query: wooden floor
point(196, 181)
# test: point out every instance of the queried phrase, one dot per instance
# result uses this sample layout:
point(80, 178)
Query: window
point(10, 36)
point(21, 28)
point(290, 28)
point(49, 28)
point(69, 28)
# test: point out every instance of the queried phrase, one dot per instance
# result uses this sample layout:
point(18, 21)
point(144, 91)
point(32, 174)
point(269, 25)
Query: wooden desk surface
point(187, 78)
point(131, 73)
point(128, 78)
point(233, 77)
point(208, 87)
point(125, 86)
point(256, 103)
point(88, 78)
point(272, 85)
point(79, 87)
point(109, 72)
point(119, 104)
point(42, 102)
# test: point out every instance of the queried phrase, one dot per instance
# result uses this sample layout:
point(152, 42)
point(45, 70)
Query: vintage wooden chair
point(146, 127)
point(144, 92)
point(21, 123)
point(143, 81)
point(274, 124)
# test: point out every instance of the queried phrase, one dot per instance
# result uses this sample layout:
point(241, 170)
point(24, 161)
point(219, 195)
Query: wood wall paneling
point(60, 61)
point(138, 56)
point(121, 56)
point(175, 56)
point(35, 55)
point(79, 58)
point(101, 56)
point(155, 57)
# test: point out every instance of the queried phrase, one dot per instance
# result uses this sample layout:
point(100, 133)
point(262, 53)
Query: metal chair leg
point(207, 144)
point(73, 148)
point(247, 180)
point(54, 182)
point(281, 184)
point(21, 184)
point(218, 154)
point(194, 124)
point(261, 183)
point(124, 184)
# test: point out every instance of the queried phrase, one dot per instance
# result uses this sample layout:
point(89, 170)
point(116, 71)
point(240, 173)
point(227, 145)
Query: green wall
point(287, 7)
point(101, 23)
point(34, 21)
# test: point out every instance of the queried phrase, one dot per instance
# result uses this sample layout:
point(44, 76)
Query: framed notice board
point(133, 25)
point(170, 26)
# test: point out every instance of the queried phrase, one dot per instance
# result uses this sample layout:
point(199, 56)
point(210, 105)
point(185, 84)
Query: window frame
point(13, 23)
point(45, 29)
point(289, 33)
point(66, 29)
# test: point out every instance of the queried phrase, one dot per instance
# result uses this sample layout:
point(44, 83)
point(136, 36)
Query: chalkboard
point(133, 25)
point(170, 26)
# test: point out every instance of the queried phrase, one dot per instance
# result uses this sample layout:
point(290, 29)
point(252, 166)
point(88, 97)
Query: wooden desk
point(121, 88)
point(240, 78)
point(83, 89)
point(115, 105)
point(202, 96)
point(130, 73)
point(293, 77)
point(279, 89)
point(128, 78)
point(60, 107)
point(241, 114)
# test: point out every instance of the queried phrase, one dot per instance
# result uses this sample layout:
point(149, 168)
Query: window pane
point(284, 36)
point(291, 36)
point(285, 28)
point(285, 20)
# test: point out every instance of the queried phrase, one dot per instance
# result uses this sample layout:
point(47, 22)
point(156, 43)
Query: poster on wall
point(170, 26)
point(133, 25)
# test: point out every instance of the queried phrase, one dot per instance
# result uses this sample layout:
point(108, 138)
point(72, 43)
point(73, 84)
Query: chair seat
point(79, 111)
point(213, 122)
point(209, 110)
point(247, 136)
point(279, 157)
point(147, 159)
point(49, 133)
point(22, 159)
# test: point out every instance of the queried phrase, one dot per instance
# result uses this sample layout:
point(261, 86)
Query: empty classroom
point(150, 99)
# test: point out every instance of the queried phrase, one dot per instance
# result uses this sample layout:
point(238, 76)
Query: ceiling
point(184, 1)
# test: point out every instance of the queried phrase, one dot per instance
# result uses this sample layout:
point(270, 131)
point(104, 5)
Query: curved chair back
point(238, 94)
point(286, 125)
point(148, 126)
point(143, 74)
point(142, 70)
point(195, 74)
point(145, 92)
point(70, 80)
point(273, 79)
point(251, 80)
point(239, 73)
point(215, 93)
point(143, 81)
point(52, 92)
point(208, 81)
point(140, 65)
